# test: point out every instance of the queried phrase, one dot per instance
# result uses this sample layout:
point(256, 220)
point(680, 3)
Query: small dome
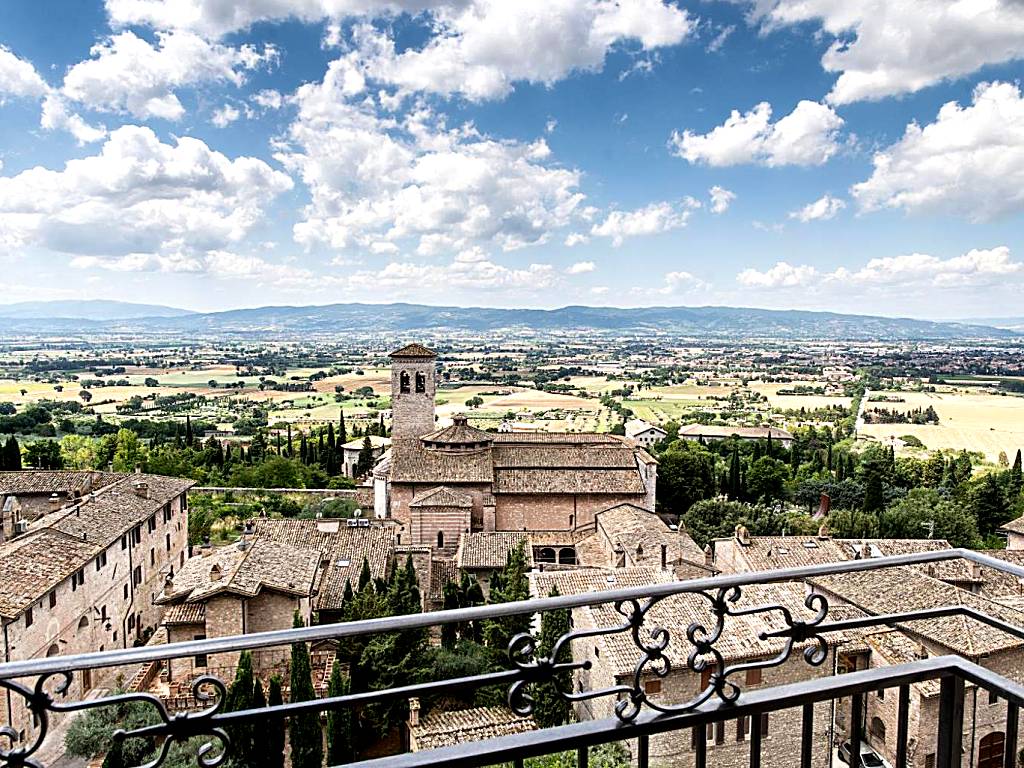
point(459, 436)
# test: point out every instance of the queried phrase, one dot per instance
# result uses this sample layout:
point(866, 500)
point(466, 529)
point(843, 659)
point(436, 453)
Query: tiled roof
point(441, 572)
point(958, 570)
point(335, 541)
point(53, 481)
point(413, 463)
point(444, 728)
point(264, 564)
point(442, 496)
point(564, 456)
point(640, 534)
point(897, 648)
point(574, 481)
point(1014, 526)
point(765, 553)
point(578, 581)
point(185, 613)
point(33, 564)
point(490, 550)
point(458, 433)
point(898, 590)
point(413, 350)
point(999, 585)
point(739, 641)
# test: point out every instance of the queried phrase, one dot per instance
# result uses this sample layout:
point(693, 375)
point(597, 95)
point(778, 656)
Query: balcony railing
point(41, 684)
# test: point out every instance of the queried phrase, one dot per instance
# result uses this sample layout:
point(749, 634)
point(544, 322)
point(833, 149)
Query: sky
point(859, 157)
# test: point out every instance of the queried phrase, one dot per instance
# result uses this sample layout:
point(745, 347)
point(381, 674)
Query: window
point(440, 539)
point(131, 622)
point(168, 513)
point(877, 729)
point(403, 382)
point(993, 697)
point(53, 598)
point(101, 560)
point(705, 676)
point(77, 579)
point(181, 558)
point(137, 535)
point(124, 541)
point(152, 555)
point(764, 724)
point(28, 617)
point(652, 686)
point(168, 540)
point(714, 733)
point(881, 694)
point(126, 591)
point(151, 523)
point(137, 575)
point(929, 760)
point(753, 677)
point(421, 383)
point(83, 622)
point(200, 659)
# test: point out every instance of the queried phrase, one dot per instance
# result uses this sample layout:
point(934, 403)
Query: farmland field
point(975, 421)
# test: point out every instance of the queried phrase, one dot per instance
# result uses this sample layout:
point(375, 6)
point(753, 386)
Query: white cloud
point(649, 220)
point(978, 267)
point(599, 290)
point(576, 238)
point(550, 125)
point(580, 268)
point(473, 273)
point(890, 47)
point(822, 209)
point(224, 116)
point(482, 47)
point(139, 196)
point(782, 275)
point(721, 199)
point(219, 264)
point(56, 116)
point(18, 77)
point(268, 98)
point(385, 179)
point(969, 162)
point(128, 74)
point(719, 39)
point(806, 136)
point(682, 282)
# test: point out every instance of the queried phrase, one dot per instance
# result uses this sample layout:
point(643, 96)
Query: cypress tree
point(551, 709)
point(734, 474)
point(304, 732)
point(364, 575)
point(289, 440)
point(365, 461)
point(770, 452)
point(347, 596)
point(330, 437)
point(189, 437)
point(1015, 475)
point(275, 726)
point(339, 721)
point(828, 459)
point(303, 449)
point(240, 697)
point(261, 736)
point(451, 602)
point(342, 432)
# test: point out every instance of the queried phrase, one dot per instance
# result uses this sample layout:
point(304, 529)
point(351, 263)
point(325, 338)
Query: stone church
point(438, 484)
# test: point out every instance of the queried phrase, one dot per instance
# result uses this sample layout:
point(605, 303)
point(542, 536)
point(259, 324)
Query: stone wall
point(554, 512)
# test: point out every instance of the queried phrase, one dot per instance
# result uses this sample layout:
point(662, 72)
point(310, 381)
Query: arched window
point(440, 539)
point(546, 555)
point(421, 382)
point(53, 650)
point(403, 382)
point(83, 622)
point(567, 556)
point(990, 750)
point(877, 729)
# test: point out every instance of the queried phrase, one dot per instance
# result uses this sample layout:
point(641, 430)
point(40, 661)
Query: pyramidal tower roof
point(413, 350)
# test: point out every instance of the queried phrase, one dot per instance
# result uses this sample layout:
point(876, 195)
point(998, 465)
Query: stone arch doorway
point(990, 750)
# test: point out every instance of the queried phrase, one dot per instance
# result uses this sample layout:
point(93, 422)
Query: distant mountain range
point(88, 310)
point(96, 317)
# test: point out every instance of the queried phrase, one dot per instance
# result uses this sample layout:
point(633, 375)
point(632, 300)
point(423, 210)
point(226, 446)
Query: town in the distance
point(159, 488)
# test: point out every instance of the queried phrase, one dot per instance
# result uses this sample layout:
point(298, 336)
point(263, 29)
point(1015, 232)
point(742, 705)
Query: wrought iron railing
point(41, 683)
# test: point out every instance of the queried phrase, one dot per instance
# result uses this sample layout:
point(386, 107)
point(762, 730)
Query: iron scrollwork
point(172, 727)
point(653, 642)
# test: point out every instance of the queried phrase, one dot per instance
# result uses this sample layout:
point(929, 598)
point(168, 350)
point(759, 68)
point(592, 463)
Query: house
point(350, 452)
point(438, 483)
point(1014, 531)
point(84, 575)
point(644, 433)
point(481, 554)
point(628, 536)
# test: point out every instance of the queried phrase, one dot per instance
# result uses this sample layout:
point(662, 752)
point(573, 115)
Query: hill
point(398, 318)
point(97, 309)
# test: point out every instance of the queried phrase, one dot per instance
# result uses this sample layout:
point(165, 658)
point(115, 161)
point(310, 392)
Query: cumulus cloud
point(139, 196)
point(969, 161)
point(481, 48)
point(649, 220)
point(220, 264)
point(473, 273)
point(129, 74)
point(978, 267)
point(580, 268)
point(885, 48)
point(225, 116)
point(682, 282)
point(721, 199)
point(806, 136)
point(18, 77)
point(576, 238)
point(376, 178)
point(822, 209)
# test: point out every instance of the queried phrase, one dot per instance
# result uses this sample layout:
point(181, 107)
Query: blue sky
point(773, 153)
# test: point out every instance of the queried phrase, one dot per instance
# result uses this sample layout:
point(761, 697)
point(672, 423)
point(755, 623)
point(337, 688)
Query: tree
point(275, 726)
point(365, 461)
point(340, 749)
point(926, 511)
point(364, 575)
point(552, 709)
point(685, 475)
point(79, 452)
point(1015, 476)
point(240, 697)
point(509, 585)
point(342, 432)
point(988, 504)
point(766, 479)
point(11, 459)
point(129, 452)
point(304, 733)
point(44, 454)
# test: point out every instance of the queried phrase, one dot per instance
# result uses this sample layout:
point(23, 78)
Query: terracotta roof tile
point(31, 482)
point(185, 613)
point(442, 496)
point(574, 481)
point(413, 350)
point(444, 728)
point(490, 550)
point(33, 564)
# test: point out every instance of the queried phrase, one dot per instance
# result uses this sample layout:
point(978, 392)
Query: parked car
point(868, 757)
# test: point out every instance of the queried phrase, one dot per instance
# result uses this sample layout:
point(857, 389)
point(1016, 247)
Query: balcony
point(920, 709)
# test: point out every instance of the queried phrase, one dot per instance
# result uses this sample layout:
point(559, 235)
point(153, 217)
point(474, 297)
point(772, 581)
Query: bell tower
point(413, 385)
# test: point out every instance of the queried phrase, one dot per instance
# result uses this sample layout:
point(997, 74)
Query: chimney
point(141, 488)
point(823, 531)
point(54, 502)
point(414, 712)
point(743, 535)
point(169, 585)
point(215, 572)
point(709, 556)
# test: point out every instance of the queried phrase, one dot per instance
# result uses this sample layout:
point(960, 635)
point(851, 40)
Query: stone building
point(441, 483)
point(30, 494)
point(350, 452)
point(1014, 531)
point(710, 433)
point(644, 433)
point(85, 574)
point(447, 727)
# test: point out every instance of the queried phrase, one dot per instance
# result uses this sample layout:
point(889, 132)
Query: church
point(438, 484)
